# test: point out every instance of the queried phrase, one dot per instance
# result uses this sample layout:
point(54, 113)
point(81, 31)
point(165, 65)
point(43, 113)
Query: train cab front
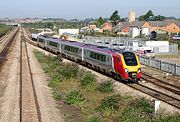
point(132, 68)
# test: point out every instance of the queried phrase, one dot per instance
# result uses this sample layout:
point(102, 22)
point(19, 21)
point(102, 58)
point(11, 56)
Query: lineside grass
point(4, 29)
point(81, 98)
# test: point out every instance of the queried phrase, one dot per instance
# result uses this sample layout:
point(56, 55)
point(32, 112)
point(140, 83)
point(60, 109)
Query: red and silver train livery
point(122, 64)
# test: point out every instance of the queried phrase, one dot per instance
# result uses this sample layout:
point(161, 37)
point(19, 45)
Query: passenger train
point(119, 64)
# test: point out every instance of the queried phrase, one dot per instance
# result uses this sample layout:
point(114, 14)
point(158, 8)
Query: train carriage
point(99, 59)
point(42, 42)
point(72, 50)
point(53, 45)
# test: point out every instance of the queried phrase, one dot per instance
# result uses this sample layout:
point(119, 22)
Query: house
point(121, 28)
point(166, 26)
point(139, 24)
point(158, 25)
point(106, 26)
point(92, 26)
point(173, 27)
point(137, 28)
point(142, 27)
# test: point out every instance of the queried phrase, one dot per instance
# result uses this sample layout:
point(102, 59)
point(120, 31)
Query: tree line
point(115, 18)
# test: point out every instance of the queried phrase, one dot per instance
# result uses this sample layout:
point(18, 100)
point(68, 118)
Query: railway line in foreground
point(29, 106)
point(164, 94)
point(22, 91)
point(5, 48)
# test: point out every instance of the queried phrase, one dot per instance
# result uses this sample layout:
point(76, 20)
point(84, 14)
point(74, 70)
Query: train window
point(85, 52)
point(54, 44)
point(108, 59)
point(130, 58)
point(41, 40)
point(104, 58)
point(71, 49)
point(98, 56)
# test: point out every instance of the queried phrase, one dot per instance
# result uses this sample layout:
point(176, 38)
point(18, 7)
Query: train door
point(46, 43)
point(60, 47)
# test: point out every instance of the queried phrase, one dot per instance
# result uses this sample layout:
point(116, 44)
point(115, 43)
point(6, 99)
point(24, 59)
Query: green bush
point(93, 119)
point(4, 29)
point(144, 105)
point(75, 98)
point(88, 80)
point(106, 87)
point(40, 56)
point(130, 114)
point(109, 103)
point(138, 110)
point(55, 80)
point(168, 118)
point(69, 71)
point(57, 95)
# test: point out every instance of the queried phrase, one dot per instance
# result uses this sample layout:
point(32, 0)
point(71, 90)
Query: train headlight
point(139, 70)
point(126, 70)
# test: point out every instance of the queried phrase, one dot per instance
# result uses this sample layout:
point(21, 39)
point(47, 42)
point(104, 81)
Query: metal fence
point(89, 39)
point(128, 44)
point(161, 65)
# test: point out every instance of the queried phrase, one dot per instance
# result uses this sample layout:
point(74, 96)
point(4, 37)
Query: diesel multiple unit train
point(121, 64)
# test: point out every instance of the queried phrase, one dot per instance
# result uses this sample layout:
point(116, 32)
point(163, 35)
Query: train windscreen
point(130, 58)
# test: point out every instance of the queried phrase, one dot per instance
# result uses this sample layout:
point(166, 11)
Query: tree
point(100, 21)
point(159, 18)
point(50, 25)
point(149, 13)
point(147, 16)
point(115, 17)
point(122, 20)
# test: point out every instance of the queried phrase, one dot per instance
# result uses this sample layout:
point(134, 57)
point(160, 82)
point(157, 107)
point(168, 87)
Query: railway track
point(162, 84)
point(166, 75)
point(155, 93)
point(29, 106)
point(4, 52)
point(7, 36)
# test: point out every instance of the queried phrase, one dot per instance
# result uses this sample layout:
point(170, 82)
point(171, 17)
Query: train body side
point(99, 60)
point(122, 64)
point(72, 51)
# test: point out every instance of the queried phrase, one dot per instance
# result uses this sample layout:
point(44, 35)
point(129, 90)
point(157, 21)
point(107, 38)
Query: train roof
point(50, 38)
point(105, 49)
point(73, 43)
point(87, 46)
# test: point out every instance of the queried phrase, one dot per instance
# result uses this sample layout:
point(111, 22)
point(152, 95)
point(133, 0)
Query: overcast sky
point(82, 9)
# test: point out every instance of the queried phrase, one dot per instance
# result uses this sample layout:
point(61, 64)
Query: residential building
point(92, 26)
point(121, 28)
point(107, 26)
point(157, 25)
point(166, 26)
point(136, 27)
point(173, 27)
